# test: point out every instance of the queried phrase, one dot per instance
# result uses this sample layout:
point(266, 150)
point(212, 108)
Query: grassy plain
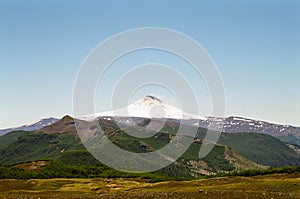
point(268, 186)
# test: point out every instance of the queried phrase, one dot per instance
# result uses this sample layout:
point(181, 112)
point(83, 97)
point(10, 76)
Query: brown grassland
point(268, 186)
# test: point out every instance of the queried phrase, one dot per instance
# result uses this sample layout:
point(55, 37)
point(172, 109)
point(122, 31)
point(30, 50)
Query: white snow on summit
point(147, 107)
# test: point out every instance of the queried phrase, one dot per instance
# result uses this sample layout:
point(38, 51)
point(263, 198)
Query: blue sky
point(256, 46)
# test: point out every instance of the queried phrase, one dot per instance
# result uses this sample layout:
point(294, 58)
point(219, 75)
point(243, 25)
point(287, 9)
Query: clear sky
point(256, 46)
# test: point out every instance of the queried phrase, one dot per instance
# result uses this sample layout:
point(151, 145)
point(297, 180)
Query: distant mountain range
point(286, 133)
point(59, 139)
point(243, 144)
point(31, 127)
point(143, 109)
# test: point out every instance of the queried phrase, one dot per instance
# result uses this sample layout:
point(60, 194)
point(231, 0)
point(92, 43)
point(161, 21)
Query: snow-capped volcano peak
point(152, 107)
point(147, 101)
point(148, 107)
point(150, 98)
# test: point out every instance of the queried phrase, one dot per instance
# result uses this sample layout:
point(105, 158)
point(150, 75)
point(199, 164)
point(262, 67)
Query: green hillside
point(261, 148)
point(235, 151)
point(67, 149)
point(290, 139)
point(29, 147)
point(11, 137)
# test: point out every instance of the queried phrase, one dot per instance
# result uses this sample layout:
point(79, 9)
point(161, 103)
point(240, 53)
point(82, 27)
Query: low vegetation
point(261, 148)
point(60, 169)
point(279, 186)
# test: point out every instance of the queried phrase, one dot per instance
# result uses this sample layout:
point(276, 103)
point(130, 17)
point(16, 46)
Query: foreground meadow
point(269, 186)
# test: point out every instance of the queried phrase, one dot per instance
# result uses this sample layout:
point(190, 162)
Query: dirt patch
point(33, 166)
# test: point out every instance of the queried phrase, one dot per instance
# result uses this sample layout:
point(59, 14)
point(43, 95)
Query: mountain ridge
point(31, 127)
point(236, 141)
point(243, 144)
point(41, 145)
